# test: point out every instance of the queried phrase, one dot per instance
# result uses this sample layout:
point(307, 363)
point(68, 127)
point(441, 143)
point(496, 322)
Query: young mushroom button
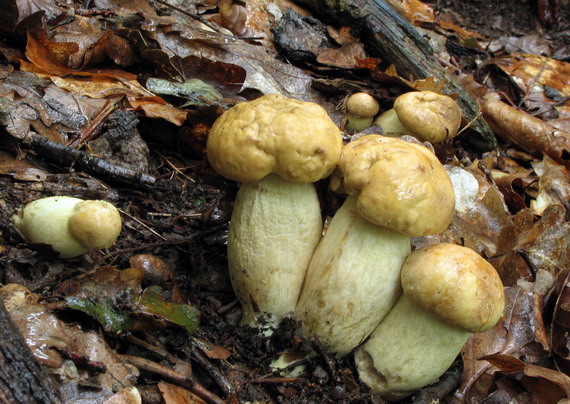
point(426, 115)
point(361, 108)
point(277, 147)
point(397, 190)
point(72, 226)
point(449, 291)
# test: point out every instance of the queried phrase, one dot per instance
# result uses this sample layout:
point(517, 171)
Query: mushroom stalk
point(353, 280)
point(410, 349)
point(274, 229)
point(449, 291)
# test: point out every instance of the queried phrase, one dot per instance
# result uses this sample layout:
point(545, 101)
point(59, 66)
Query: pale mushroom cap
point(95, 224)
point(430, 116)
point(294, 139)
point(401, 185)
point(362, 104)
point(456, 284)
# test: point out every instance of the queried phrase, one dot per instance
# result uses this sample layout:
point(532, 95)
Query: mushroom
point(72, 226)
point(361, 108)
point(426, 115)
point(277, 147)
point(397, 190)
point(449, 291)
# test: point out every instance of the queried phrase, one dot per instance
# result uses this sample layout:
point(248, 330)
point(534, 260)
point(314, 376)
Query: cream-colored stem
point(353, 280)
point(274, 230)
point(407, 351)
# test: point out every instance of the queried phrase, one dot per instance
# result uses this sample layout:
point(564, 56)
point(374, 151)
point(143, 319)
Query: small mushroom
point(396, 190)
point(426, 115)
point(449, 292)
point(72, 226)
point(361, 108)
point(277, 147)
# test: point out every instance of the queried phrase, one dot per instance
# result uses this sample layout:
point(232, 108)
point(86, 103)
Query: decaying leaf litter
point(115, 102)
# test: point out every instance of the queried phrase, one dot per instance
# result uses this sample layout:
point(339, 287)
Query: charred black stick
point(82, 161)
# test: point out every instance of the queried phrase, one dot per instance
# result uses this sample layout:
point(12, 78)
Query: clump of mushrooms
point(361, 108)
point(449, 291)
point(71, 226)
point(426, 115)
point(397, 190)
point(276, 147)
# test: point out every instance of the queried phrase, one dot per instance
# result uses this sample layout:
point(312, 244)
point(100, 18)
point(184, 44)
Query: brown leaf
point(560, 328)
point(545, 385)
point(525, 131)
point(21, 170)
point(177, 395)
point(49, 56)
point(520, 333)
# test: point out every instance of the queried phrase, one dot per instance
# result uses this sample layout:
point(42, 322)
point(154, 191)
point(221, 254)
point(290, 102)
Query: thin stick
point(173, 376)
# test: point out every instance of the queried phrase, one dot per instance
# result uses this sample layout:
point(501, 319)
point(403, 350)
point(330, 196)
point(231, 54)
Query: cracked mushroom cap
point(294, 139)
point(401, 185)
point(456, 284)
point(430, 116)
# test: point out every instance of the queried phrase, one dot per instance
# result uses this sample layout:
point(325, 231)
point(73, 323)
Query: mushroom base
point(274, 230)
point(407, 351)
point(353, 280)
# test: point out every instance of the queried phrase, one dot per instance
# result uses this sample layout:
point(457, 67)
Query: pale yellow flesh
point(353, 280)
point(274, 229)
point(407, 351)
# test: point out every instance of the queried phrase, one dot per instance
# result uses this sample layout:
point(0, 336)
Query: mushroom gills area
point(274, 230)
point(353, 280)
point(408, 350)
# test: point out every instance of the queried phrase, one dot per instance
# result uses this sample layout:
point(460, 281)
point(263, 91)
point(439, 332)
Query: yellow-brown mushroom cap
point(400, 185)
point(294, 139)
point(362, 104)
point(95, 224)
point(456, 284)
point(430, 116)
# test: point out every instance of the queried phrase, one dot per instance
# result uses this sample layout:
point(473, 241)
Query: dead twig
point(173, 376)
point(82, 161)
point(212, 371)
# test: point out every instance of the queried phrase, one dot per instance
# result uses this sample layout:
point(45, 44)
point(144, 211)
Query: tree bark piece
point(388, 36)
point(22, 380)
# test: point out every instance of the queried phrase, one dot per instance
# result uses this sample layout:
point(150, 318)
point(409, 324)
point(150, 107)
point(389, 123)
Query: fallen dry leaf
point(525, 131)
point(520, 333)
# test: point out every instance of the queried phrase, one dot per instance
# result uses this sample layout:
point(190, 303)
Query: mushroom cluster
point(397, 190)
point(449, 292)
point(277, 148)
point(426, 115)
point(71, 226)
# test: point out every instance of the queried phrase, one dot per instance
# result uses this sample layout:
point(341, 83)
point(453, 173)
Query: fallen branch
point(391, 38)
point(173, 376)
point(82, 161)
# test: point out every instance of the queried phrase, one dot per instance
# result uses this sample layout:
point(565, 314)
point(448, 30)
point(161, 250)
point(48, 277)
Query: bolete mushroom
point(277, 147)
point(72, 226)
point(397, 190)
point(426, 115)
point(361, 108)
point(449, 291)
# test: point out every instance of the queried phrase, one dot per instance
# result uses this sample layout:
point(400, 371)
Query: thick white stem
point(274, 230)
point(410, 349)
point(353, 280)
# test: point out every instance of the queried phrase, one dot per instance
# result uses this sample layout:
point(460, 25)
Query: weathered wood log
point(388, 36)
point(22, 380)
